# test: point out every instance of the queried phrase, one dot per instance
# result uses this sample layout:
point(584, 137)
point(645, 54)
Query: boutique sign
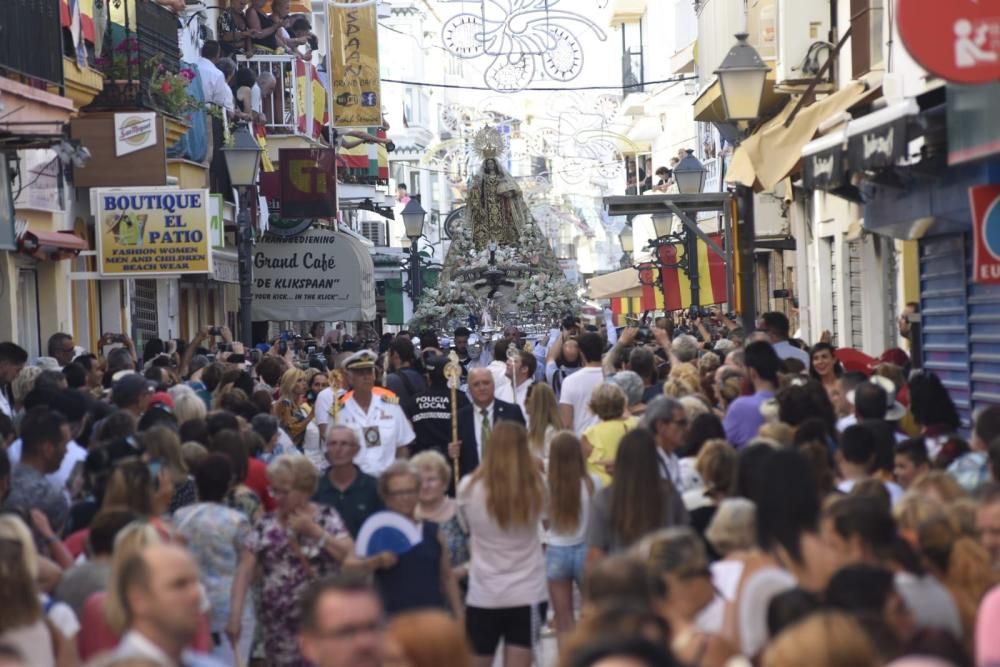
point(152, 232)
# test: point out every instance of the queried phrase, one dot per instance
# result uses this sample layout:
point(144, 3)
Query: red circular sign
point(957, 40)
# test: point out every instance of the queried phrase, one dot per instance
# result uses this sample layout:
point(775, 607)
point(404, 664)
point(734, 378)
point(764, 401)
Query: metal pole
point(691, 250)
point(245, 252)
point(415, 286)
point(746, 233)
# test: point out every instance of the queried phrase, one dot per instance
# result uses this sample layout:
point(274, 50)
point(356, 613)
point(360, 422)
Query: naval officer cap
point(363, 360)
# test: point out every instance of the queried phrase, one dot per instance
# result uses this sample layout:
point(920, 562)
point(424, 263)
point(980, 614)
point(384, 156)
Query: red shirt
point(256, 479)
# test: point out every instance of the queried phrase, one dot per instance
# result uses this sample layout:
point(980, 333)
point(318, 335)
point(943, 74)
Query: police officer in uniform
point(379, 422)
point(432, 409)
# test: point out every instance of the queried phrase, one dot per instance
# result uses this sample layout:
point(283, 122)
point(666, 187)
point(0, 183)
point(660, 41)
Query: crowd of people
point(686, 494)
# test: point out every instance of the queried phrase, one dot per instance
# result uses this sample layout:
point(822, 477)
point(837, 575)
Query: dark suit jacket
point(469, 421)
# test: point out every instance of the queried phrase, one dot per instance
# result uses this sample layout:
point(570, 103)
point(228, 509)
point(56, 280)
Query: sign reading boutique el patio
point(318, 275)
point(152, 231)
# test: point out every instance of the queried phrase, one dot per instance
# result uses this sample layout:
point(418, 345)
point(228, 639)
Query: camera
point(215, 331)
point(644, 336)
point(695, 312)
point(390, 147)
point(114, 338)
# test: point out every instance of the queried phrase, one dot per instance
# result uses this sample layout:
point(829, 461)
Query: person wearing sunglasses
point(667, 420)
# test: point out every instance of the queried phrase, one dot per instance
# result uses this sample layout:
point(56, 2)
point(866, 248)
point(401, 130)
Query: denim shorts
point(564, 563)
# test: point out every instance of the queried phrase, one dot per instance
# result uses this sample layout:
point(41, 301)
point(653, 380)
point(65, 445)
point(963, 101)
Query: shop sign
point(824, 170)
point(985, 203)
point(320, 275)
point(134, 131)
point(356, 82)
point(152, 231)
point(215, 223)
point(958, 40)
point(285, 227)
point(225, 268)
point(878, 148)
point(308, 182)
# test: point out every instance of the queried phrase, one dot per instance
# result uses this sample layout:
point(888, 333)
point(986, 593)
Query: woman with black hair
point(825, 368)
point(933, 410)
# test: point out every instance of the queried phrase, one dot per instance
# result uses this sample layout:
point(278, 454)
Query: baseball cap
point(130, 388)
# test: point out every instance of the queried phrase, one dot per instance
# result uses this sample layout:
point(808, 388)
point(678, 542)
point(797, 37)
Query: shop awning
point(622, 284)
point(51, 245)
point(770, 154)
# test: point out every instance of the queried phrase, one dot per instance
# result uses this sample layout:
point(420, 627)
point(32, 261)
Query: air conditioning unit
point(374, 231)
point(801, 25)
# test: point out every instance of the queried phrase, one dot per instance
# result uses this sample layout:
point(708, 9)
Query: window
point(27, 312)
point(867, 44)
point(632, 65)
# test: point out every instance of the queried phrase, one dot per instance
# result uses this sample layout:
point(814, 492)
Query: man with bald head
point(476, 421)
point(159, 590)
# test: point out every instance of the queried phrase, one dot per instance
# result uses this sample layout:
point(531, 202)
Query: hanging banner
point(355, 80)
point(320, 275)
point(215, 223)
point(308, 182)
point(152, 231)
point(310, 100)
point(985, 204)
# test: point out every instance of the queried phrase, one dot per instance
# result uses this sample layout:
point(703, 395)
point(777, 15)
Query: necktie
point(484, 430)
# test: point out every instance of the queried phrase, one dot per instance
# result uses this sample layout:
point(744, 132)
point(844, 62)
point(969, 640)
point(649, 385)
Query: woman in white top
point(543, 419)
point(570, 491)
point(22, 623)
point(502, 503)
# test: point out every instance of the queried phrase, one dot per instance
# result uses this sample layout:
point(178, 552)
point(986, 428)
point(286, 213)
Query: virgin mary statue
point(495, 208)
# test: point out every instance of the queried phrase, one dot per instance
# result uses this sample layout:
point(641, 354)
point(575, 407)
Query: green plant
point(169, 90)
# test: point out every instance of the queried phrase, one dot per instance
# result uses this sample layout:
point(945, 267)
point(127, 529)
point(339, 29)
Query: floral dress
point(287, 570)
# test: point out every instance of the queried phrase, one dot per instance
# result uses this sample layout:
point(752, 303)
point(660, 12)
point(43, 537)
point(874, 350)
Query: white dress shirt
point(213, 83)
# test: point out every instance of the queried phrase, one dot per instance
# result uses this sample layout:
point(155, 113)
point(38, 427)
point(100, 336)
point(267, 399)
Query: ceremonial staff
point(453, 372)
point(336, 383)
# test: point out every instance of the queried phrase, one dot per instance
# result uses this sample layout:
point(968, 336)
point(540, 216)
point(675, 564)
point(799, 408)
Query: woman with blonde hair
point(939, 485)
point(600, 441)
point(187, 404)
point(426, 639)
point(22, 621)
point(570, 491)
point(162, 449)
point(296, 416)
point(503, 502)
point(433, 504)
point(294, 545)
point(543, 418)
point(824, 639)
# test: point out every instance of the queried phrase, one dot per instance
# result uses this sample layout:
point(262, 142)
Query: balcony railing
point(280, 106)
point(148, 33)
point(31, 39)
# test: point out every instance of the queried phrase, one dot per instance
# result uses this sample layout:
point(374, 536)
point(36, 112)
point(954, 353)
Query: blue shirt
point(743, 419)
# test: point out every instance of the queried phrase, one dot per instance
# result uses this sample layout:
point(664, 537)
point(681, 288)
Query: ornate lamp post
point(689, 174)
point(413, 222)
point(243, 163)
point(742, 77)
point(627, 239)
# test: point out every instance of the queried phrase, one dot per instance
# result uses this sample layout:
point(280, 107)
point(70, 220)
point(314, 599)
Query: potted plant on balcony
point(168, 92)
point(121, 69)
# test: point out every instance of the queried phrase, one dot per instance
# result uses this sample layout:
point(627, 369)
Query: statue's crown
point(489, 143)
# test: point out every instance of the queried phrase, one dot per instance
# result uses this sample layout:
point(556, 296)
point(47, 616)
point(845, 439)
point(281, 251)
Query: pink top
point(987, 623)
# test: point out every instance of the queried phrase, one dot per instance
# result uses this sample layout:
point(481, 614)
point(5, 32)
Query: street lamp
point(689, 174)
point(627, 239)
point(413, 223)
point(662, 224)
point(243, 164)
point(742, 75)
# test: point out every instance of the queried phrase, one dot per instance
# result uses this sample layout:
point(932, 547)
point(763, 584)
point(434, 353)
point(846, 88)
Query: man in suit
point(476, 421)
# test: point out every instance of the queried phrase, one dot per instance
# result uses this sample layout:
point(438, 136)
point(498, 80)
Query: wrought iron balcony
point(147, 35)
point(31, 40)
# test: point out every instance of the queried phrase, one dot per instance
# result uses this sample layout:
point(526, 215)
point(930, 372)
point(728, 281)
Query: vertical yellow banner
point(355, 80)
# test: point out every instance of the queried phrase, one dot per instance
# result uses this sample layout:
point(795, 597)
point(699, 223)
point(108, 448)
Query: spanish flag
point(366, 162)
point(311, 111)
point(673, 292)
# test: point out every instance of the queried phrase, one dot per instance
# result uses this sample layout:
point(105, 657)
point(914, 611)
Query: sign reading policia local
point(152, 231)
point(356, 95)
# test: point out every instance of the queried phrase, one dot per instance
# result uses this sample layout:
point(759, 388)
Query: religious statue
point(495, 208)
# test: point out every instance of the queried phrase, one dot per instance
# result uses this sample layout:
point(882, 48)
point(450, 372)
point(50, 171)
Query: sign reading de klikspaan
point(152, 231)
